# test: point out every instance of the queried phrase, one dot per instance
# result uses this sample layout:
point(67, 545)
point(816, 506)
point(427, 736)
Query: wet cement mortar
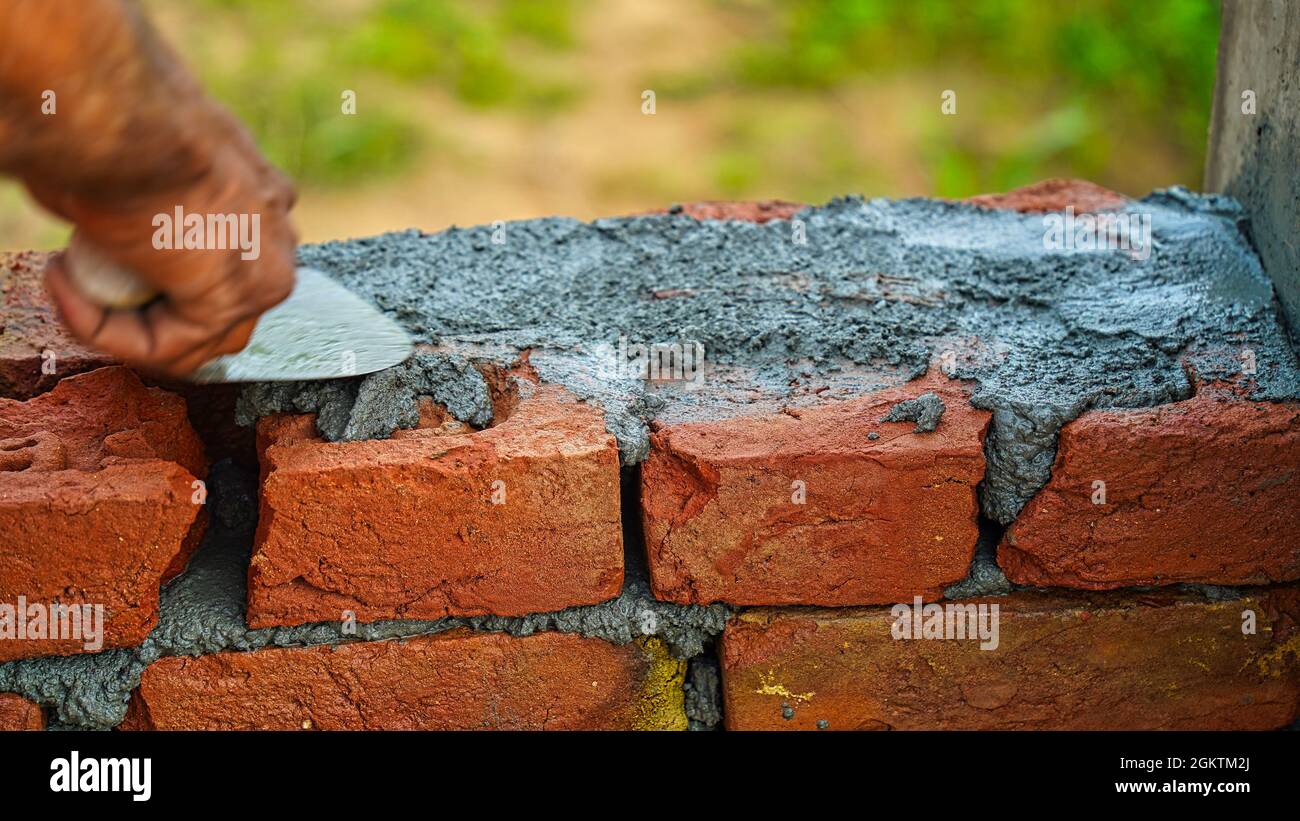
point(925, 410)
point(877, 294)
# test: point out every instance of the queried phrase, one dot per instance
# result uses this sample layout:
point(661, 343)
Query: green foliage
point(460, 46)
point(549, 22)
point(1044, 86)
point(299, 122)
point(282, 67)
point(1122, 65)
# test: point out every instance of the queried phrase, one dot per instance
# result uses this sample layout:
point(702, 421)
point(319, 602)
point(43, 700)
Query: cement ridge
point(878, 292)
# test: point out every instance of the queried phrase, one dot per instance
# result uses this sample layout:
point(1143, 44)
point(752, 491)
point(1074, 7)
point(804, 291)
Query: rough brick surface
point(1088, 661)
point(452, 681)
point(1054, 195)
point(96, 507)
point(29, 327)
point(17, 713)
point(1047, 195)
point(757, 211)
point(408, 528)
point(883, 519)
point(1205, 490)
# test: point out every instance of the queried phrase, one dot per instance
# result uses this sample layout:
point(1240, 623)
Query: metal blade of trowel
point(322, 331)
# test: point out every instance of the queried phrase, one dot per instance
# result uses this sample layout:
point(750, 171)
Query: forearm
point(125, 118)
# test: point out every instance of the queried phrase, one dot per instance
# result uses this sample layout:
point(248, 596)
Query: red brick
point(756, 211)
point(95, 502)
point(884, 519)
point(1054, 195)
point(17, 713)
point(29, 326)
point(1086, 661)
point(406, 528)
point(451, 681)
point(1204, 490)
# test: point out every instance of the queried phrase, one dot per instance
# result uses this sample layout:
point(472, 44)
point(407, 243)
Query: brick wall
point(522, 575)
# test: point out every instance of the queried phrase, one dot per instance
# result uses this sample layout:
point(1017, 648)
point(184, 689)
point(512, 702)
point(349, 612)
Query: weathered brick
point(1203, 490)
point(882, 519)
point(96, 505)
point(17, 713)
point(1054, 195)
point(1162, 660)
point(29, 328)
point(407, 527)
point(755, 211)
point(451, 681)
point(30, 331)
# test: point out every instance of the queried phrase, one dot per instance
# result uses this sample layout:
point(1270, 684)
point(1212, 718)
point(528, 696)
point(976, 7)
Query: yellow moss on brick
point(769, 686)
point(662, 705)
point(1282, 657)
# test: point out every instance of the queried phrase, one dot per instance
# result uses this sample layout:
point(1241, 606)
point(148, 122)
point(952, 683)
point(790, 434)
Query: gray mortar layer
point(925, 410)
point(879, 290)
point(703, 694)
point(373, 406)
point(202, 611)
point(985, 578)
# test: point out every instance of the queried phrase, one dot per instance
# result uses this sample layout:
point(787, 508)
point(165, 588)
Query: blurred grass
point(281, 67)
point(1075, 74)
point(468, 110)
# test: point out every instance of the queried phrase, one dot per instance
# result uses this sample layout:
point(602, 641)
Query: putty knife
point(322, 331)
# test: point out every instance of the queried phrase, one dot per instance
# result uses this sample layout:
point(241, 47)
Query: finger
point(183, 344)
point(83, 317)
point(231, 342)
point(155, 339)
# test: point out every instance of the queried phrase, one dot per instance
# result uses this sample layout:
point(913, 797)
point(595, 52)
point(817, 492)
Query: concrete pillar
point(1254, 148)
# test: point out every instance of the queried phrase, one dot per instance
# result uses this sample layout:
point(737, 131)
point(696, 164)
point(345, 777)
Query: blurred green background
point(469, 111)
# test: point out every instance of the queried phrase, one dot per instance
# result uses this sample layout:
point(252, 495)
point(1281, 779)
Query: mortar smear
point(376, 405)
point(925, 410)
point(704, 694)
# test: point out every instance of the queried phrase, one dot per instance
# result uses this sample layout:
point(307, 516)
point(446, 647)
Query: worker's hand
point(210, 298)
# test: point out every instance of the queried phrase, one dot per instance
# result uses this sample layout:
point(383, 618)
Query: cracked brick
point(96, 507)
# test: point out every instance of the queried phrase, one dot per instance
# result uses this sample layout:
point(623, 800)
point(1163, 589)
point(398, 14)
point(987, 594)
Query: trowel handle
point(101, 279)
